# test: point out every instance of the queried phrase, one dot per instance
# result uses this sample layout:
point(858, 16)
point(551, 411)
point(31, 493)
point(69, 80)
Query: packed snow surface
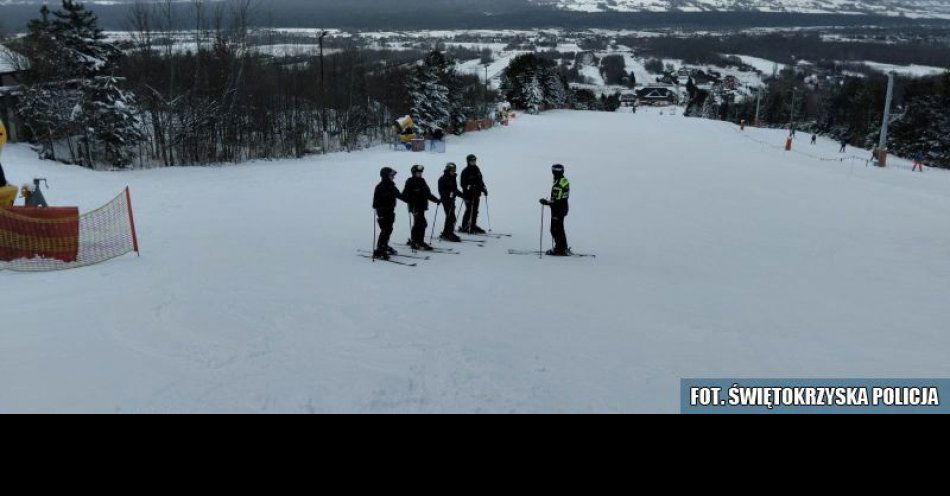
point(718, 255)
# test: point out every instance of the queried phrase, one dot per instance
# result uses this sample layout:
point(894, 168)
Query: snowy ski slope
point(719, 255)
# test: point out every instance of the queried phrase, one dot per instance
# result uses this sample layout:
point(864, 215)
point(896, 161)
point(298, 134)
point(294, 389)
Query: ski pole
point(411, 228)
point(488, 213)
point(434, 222)
point(541, 236)
point(374, 234)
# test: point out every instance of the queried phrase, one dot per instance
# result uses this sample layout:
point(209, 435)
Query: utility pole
point(758, 104)
point(323, 95)
point(791, 111)
point(882, 144)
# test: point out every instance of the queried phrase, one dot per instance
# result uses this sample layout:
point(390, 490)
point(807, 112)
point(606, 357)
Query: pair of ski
point(488, 234)
point(478, 242)
point(394, 259)
point(538, 253)
point(407, 260)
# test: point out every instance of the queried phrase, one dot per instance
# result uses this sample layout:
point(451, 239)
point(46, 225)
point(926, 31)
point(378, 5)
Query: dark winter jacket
point(560, 192)
point(385, 196)
point(448, 188)
point(472, 183)
point(417, 194)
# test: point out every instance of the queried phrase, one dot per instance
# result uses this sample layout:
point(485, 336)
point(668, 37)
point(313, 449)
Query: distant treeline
point(88, 102)
point(484, 14)
point(849, 110)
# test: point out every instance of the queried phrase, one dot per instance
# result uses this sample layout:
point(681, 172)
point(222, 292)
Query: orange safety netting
point(43, 239)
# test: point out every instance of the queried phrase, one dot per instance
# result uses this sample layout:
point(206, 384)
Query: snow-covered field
point(912, 70)
point(718, 256)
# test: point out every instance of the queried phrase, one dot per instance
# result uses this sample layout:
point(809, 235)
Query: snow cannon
point(33, 194)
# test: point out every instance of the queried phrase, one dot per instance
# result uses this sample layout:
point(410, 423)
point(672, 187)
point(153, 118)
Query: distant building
point(628, 98)
point(656, 95)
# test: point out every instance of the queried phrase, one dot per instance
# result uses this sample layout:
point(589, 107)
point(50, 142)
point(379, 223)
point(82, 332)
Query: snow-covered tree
point(85, 51)
point(710, 107)
point(436, 95)
point(553, 88)
point(533, 94)
point(516, 82)
point(113, 120)
point(431, 104)
point(71, 93)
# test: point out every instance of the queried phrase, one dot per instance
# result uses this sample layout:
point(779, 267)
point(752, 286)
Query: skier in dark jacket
point(560, 192)
point(417, 195)
point(384, 202)
point(449, 191)
point(473, 186)
point(918, 162)
point(844, 144)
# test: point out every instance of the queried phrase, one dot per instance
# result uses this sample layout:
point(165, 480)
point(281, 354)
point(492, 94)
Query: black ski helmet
point(557, 169)
point(471, 158)
point(386, 172)
point(418, 168)
point(450, 167)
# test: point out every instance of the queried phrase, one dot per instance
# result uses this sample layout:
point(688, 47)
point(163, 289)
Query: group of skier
point(470, 187)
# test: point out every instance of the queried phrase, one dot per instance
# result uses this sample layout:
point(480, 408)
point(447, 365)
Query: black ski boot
point(391, 251)
point(450, 237)
point(380, 254)
point(424, 246)
point(558, 253)
point(478, 230)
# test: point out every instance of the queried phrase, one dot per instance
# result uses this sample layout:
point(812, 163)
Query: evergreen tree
point(554, 92)
point(691, 88)
point(533, 94)
point(710, 107)
point(431, 106)
point(521, 92)
point(70, 92)
point(77, 33)
point(437, 95)
point(113, 120)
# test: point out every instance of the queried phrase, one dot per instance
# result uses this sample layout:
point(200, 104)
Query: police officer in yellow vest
point(558, 203)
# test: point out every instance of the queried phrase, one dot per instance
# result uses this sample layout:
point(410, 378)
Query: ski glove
point(544, 202)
